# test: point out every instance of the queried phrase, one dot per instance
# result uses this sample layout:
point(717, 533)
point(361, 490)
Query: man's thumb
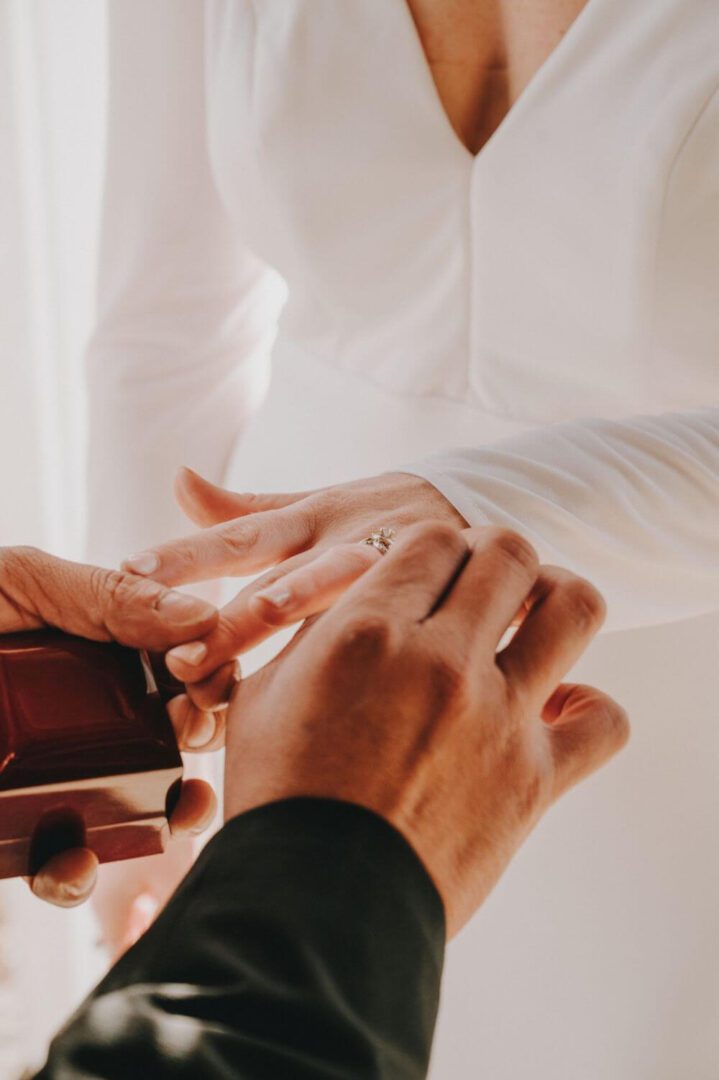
point(586, 728)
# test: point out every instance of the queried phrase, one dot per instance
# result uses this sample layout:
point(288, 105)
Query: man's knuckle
point(449, 681)
point(117, 591)
point(365, 637)
point(515, 550)
point(107, 585)
point(435, 534)
point(226, 634)
point(586, 603)
point(109, 588)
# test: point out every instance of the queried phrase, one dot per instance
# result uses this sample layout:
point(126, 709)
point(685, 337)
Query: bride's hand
point(311, 540)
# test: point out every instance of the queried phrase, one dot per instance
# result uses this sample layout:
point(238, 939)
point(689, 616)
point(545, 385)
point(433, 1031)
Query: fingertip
point(214, 692)
point(204, 503)
point(196, 808)
point(185, 474)
point(196, 729)
point(67, 879)
point(200, 731)
point(188, 655)
point(175, 667)
point(185, 479)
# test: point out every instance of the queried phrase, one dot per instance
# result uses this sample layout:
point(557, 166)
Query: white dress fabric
point(535, 330)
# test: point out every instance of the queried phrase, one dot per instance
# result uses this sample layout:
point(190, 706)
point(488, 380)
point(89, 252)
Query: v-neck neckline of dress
point(543, 73)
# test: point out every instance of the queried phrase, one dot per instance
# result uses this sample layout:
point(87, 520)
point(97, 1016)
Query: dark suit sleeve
point(307, 941)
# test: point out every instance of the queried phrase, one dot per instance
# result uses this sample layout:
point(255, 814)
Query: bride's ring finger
point(286, 595)
point(314, 587)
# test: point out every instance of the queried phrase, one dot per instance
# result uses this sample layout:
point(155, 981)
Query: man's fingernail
point(237, 671)
point(182, 605)
point(144, 563)
point(201, 732)
point(277, 595)
point(193, 653)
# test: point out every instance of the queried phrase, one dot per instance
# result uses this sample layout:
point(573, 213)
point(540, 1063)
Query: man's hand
point(40, 590)
point(397, 699)
point(37, 590)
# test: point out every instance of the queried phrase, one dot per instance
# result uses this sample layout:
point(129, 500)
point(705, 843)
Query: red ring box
point(88, 755)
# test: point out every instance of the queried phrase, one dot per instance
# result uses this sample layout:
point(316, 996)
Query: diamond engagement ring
point(381, 540)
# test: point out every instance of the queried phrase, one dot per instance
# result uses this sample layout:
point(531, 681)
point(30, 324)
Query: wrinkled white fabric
point(632, 504)
point(566, 271)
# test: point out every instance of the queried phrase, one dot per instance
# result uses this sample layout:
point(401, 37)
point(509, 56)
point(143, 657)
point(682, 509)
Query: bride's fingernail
point(193, 653)
point(144, 563)
point(201, 732)
point(277, 595)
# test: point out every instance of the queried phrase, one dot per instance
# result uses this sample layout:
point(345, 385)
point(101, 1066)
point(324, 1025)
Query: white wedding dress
point(535, 330)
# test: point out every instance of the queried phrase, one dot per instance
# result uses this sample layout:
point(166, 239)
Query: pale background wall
point(52, 84)
point(619, 886)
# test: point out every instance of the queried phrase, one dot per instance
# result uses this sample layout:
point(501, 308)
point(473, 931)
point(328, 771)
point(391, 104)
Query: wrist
point(421, 491)
point(357, 846)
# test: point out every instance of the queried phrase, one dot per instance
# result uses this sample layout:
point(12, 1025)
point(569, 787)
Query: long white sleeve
point(631, 505)
point(186, 314)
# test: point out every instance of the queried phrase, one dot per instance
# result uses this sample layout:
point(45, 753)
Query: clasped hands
point(303, 547)
point(460, 746)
